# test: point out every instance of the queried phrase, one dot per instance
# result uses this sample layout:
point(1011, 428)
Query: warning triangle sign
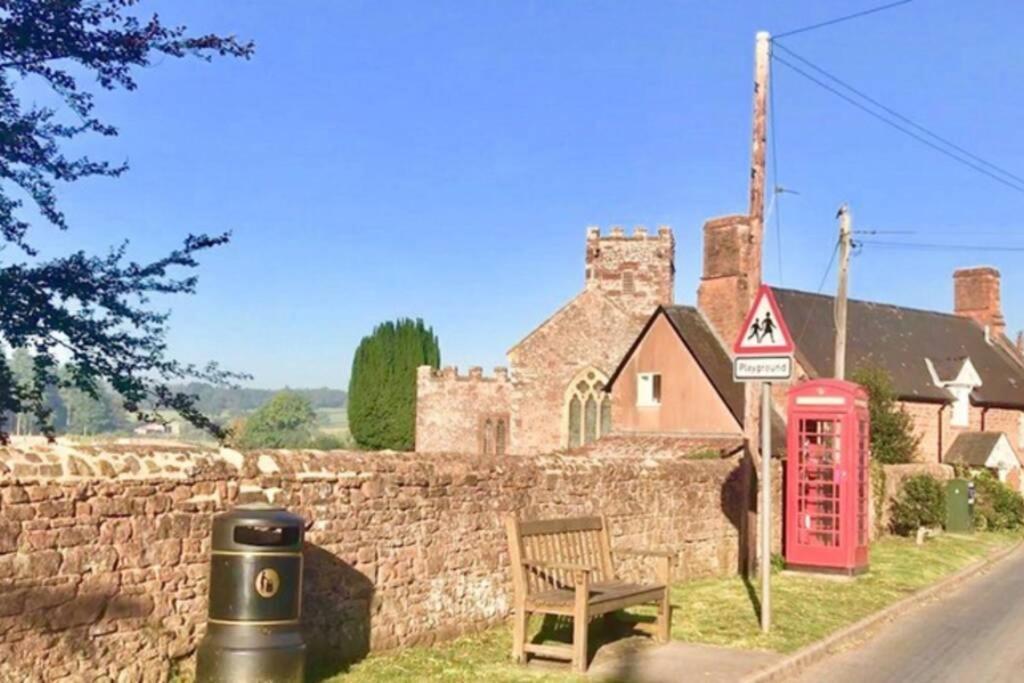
point(764, 330)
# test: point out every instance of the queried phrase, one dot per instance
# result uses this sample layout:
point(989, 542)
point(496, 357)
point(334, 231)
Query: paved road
point(976, 635)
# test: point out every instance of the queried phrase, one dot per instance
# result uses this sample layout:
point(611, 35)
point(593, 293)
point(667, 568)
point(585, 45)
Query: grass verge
point(719, 611)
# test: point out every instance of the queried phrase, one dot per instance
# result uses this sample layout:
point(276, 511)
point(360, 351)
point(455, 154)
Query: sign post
point(763, 352)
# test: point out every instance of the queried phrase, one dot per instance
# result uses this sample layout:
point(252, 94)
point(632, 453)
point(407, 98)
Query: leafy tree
point(382, 387)
point(893, 439)
point(93, 308)
point(89, 414)
point(285, 422)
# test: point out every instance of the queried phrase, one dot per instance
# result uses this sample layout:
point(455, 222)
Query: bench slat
point(554, 526)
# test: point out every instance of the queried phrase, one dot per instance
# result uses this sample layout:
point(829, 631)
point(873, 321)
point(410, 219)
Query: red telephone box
point(827, 477)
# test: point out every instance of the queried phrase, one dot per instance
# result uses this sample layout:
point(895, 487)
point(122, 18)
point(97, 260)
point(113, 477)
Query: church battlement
point(636, 270)
point(450, 373)
point(640, 232)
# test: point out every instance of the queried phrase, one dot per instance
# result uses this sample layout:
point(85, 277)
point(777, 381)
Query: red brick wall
point(726, 290)
point(104, 553)
point(929, 416)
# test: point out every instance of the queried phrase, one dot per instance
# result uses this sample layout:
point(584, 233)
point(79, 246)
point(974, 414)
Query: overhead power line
point(892, 112)
point(928, 246)
point(837, 20)
point(1019, 187)
point(821, 286)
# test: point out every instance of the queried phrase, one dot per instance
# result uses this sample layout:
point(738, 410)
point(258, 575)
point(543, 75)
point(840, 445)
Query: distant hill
point(219, 401)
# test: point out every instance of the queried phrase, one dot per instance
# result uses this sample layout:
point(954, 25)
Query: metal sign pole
point(766, 507)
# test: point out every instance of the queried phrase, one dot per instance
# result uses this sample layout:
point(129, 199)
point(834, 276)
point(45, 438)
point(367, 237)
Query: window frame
point(650, 395)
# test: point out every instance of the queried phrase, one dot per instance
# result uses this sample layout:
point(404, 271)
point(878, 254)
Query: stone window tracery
point(588, 409)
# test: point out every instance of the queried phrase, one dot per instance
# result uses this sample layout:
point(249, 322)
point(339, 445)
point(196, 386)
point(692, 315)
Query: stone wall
point(104, 554)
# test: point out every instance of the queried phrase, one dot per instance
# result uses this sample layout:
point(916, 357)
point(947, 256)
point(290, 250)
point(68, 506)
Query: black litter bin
point(255, 602)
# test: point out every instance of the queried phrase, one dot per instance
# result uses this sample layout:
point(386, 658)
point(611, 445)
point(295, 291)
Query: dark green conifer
point(382, 388)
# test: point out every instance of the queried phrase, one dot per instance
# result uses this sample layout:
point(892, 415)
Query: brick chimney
point(976, 296)
point(730, 278)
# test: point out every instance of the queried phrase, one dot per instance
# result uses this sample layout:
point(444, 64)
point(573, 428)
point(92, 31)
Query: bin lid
point(258, 528)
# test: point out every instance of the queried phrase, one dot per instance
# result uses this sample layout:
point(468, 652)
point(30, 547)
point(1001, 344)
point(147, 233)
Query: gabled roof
point(582, 299)
point(899, 340)
point(974, 448)
point(948, 369)
point(707, 349)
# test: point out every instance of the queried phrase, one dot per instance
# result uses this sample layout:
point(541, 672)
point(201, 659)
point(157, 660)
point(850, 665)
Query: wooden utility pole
point(845, 220)
point(757, 158)
point(753, 269)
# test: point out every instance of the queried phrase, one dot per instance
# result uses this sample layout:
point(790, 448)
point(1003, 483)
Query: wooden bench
point(564, 567)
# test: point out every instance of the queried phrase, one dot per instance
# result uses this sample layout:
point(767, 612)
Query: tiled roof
point(899, 340)
point(972, 448)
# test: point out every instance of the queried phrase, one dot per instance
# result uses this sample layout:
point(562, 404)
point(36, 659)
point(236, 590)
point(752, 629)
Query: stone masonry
point(626, 278)
point(104, 552)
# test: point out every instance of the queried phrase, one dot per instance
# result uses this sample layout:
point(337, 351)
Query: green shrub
point(996, 505)
point(921, 503)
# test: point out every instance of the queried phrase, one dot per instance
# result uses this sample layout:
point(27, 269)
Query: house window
point(648, 389)
point(588, 409)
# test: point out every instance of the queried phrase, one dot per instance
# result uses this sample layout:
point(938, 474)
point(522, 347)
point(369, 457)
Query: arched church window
point(588, 409)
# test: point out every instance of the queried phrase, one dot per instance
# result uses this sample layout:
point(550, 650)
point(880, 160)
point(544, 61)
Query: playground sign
point(764, 346)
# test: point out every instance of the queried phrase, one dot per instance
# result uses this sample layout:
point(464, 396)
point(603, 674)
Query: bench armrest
point(558, 566)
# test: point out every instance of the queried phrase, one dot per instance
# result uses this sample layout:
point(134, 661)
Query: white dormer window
point(959, 378)
point(648, 389)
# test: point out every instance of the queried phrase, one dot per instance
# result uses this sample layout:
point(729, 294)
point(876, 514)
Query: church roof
point(899, 340)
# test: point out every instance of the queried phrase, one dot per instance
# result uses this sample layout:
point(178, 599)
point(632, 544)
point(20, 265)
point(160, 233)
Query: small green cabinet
point(960, 506)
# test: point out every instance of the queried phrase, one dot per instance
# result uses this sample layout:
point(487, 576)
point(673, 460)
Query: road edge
point(821, 649)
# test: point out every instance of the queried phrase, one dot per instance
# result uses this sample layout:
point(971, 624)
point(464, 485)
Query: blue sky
point(442, 160)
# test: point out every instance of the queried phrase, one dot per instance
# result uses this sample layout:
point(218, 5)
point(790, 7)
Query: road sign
point(764, 331)
point(762, 368)
point(763, 352)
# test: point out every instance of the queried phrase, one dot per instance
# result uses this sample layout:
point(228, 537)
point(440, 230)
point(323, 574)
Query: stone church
point(552, 394)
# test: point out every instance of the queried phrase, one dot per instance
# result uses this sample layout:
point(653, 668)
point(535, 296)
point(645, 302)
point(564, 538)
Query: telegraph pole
point(756, 211)
point(757, 156)
point(845, 220)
